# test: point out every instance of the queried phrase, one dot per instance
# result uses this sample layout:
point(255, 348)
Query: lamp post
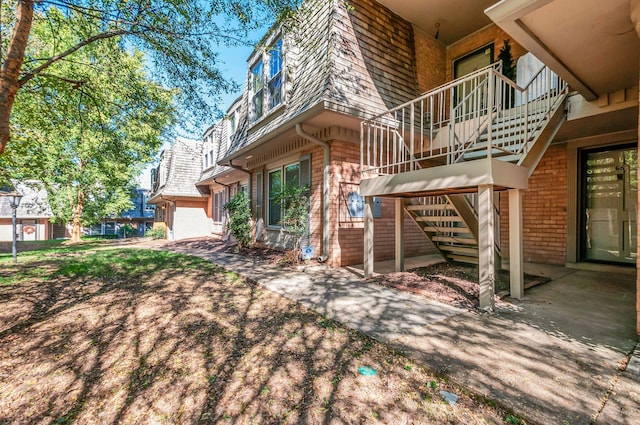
point(14, 202)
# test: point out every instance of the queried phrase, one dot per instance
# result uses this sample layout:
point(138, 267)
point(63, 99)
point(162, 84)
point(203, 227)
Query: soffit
point(457, 18)
point(590, 43)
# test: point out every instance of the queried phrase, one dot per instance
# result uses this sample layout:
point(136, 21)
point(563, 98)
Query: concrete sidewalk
point(553, 357)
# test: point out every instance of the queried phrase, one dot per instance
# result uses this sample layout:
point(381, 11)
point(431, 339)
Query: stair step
point(463, 259)
point(517, 120)
point(459, 249)
point(467, 241)
point(442, 229)
point(439, 218)
point(436, 207)
point(496, 153)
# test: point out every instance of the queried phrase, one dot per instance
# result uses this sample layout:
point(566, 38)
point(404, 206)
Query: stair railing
point(400, 139)
point(521, 112)
point(445, 124)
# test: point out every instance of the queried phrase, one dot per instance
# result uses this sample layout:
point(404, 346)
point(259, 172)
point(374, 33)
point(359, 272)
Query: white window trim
point(282, 169)
point(263, 56)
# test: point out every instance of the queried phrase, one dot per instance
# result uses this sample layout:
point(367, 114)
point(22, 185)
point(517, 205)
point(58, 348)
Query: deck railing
point(483, 112)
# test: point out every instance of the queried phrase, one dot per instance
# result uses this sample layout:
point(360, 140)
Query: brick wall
point(544, 208)
point(431, 57)
point(489, 34)
point(348, 236)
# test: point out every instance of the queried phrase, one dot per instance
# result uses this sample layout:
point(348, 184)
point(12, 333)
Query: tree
point(86, 127)
point(179, 37)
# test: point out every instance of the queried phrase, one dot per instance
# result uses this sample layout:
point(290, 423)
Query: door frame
point(573, 147)
point(582, 153)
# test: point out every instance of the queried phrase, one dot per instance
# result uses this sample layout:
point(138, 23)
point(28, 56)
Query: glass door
point(610, 205)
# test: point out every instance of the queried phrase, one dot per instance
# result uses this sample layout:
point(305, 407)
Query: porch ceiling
point(592, 44)
point(457, 18)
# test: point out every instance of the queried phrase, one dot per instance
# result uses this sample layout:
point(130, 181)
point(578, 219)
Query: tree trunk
point(76, 219)
point(10, 71)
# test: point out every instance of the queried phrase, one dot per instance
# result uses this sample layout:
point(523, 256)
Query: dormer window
point(257, 87)
point(275, 74)
point(267, 71)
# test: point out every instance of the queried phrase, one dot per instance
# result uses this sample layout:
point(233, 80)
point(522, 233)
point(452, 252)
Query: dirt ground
point(140, 336)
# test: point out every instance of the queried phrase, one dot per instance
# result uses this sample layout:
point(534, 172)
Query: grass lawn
point(130, 336)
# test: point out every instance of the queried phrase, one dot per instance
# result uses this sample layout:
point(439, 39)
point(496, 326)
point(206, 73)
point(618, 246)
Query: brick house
point(180, 207)
point(412, 140)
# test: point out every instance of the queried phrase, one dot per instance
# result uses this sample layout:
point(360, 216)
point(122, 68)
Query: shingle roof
point(357, 62)
point(34, 202)
point(183, 164)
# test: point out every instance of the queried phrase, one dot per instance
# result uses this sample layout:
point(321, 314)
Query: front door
point(466, 98)
point(610, 205)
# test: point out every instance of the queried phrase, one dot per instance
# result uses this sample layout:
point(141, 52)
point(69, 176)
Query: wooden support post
point(399, 224)
point(486, 246)
point(516, 262)
point(368, 237)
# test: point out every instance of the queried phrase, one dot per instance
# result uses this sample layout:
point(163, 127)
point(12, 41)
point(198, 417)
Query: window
point(275, 75)
point(268, 71)
point(109, 228)
point(274, 186)
point(218, 202)
point(297, 174)
point(232, 122)
point(257, 87)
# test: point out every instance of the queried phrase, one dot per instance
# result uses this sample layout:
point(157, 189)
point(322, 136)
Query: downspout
point(326, 234)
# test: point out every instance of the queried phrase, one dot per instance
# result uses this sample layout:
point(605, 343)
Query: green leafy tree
point(295, 214)
point(239, 224)
point(179, 38)
point(87, 126)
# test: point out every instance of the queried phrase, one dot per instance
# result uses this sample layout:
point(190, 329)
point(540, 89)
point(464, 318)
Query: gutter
point(326, 235)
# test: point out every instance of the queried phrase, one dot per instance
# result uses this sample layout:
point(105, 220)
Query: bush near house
point(239, 219)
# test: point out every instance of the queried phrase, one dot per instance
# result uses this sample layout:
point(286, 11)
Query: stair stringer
point(540, 145)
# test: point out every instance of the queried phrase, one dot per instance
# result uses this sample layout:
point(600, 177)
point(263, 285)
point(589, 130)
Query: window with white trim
point(257, 88)
point(274, 82)
point(296, 174)
point(218, 200)
point(267, 81)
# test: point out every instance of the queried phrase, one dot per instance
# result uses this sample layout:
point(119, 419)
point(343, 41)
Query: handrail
point(440, 89)
point(479, 115)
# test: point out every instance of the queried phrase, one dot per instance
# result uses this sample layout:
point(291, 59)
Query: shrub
point(239, 224)
point(156, 233)
point(295, 214)
point(127, 230)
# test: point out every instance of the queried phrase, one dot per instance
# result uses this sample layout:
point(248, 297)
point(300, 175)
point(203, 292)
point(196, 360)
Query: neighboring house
point(33, 216)
point(179, 204)
point(141, 217)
